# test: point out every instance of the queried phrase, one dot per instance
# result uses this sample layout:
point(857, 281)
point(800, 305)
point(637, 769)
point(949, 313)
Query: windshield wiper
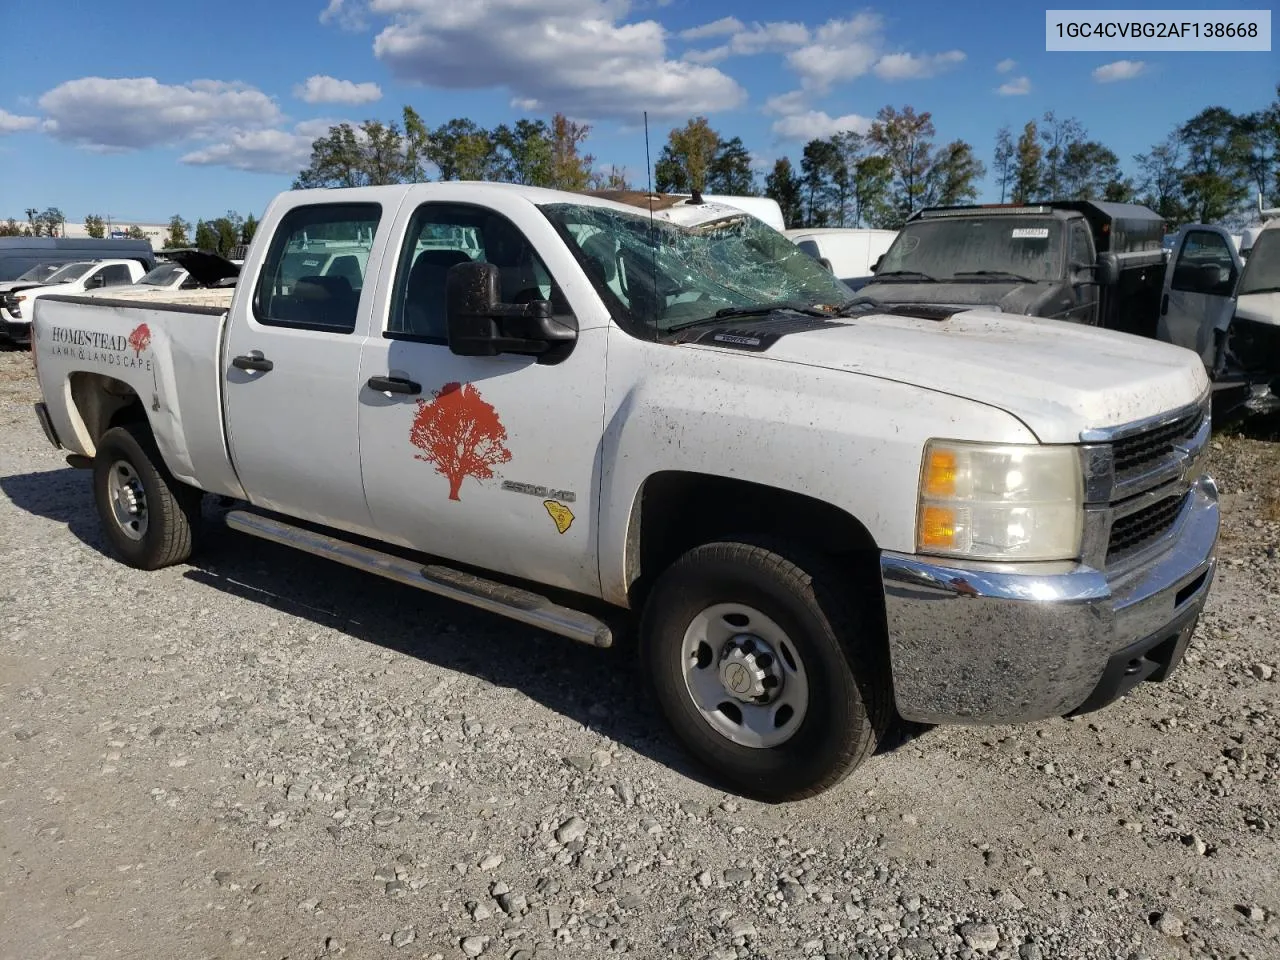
point(903, 273)
point(870, 303)
point(754, 310)
point(994, 273)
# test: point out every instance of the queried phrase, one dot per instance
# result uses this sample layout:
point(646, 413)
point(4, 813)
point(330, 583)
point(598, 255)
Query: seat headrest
point(599, 249)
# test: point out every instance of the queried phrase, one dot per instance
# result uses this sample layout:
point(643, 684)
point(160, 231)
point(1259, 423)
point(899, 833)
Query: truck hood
point(41, 289)
point(16, 286)
point(1009, 297)
point(207, 268)
point(1057, 378)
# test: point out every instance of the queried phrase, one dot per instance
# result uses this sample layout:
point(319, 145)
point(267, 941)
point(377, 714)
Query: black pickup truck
point(1081, 261)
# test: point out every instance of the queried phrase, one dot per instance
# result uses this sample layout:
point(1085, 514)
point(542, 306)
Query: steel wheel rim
point(729, 655)
point(128, 500)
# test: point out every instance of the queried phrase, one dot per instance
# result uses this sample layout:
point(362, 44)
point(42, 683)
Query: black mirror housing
point(481, 325)
point(1108, 269)
point(876, 266)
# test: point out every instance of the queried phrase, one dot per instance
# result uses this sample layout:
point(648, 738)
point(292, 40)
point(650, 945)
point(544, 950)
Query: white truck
point(17, 305)
point(817, 515)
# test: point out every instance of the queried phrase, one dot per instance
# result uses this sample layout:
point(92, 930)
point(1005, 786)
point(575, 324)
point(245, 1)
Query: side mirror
point(826, 263)
point(875, 267)
point(481, 325)
point(95, 281)
point(1108, 269)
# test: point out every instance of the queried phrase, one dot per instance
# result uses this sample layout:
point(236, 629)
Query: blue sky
point(140, 110)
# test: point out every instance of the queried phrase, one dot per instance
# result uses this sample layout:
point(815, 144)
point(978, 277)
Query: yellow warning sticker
point(561, 514)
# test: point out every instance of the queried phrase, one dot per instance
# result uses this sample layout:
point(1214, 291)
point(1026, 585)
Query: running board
point(522, 605)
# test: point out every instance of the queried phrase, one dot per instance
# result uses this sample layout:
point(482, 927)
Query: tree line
point(220, 235)
point(530, 151)
point(1205, 171)
point(1208, 169)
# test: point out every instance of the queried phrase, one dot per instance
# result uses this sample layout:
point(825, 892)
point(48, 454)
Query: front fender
point(847, 439)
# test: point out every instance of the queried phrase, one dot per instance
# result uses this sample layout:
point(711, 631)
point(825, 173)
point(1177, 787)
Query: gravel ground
point(267, 755)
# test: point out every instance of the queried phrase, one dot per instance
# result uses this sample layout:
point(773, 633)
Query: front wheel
point(149, 518)
point(767, 664)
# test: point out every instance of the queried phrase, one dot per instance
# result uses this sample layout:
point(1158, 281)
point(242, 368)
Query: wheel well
point(104, 402)
point(678, 510)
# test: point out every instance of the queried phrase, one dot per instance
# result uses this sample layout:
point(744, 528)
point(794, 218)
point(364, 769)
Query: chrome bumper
point(982, 643)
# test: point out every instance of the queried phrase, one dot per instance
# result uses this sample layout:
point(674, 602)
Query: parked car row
point(177, 270)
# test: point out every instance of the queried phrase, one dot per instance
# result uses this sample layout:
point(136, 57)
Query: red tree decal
point(140, 338)
point(460, 433)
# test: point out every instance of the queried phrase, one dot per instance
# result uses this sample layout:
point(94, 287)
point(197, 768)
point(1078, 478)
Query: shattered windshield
point(976, 248)
point(1262, 270)
point(665, 276)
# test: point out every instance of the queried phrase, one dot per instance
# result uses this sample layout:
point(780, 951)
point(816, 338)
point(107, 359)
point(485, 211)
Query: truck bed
point(166, 350)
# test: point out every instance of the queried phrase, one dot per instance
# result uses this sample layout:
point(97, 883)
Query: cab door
point(292, 356)
point(487, 461)
point(1199, 289)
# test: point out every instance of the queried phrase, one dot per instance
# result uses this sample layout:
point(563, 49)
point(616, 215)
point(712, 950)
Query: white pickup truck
point(585, 416)
point(17, 305)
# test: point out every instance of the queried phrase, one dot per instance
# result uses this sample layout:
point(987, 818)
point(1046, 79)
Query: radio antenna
point(653, 235)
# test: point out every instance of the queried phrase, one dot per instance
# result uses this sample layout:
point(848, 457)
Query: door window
point(1080, 250)
point(442, 235)
point(1204, 265)
point(295, 289)
point(115, 275)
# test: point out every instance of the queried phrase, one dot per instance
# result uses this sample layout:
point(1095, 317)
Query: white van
point(762, 208)
point(849, 252)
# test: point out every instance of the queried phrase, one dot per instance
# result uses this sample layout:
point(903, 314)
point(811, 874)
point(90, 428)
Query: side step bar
point(522, 605)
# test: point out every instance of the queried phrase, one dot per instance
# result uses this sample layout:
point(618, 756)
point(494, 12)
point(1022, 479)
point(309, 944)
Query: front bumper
point(19, 331)
point(977, 643)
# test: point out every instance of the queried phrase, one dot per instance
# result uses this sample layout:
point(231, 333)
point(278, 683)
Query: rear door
point(292, 354)
point(1199, 288)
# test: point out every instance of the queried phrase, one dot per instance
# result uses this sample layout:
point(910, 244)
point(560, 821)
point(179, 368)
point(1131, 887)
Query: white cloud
point(347, 14)
point(1015, 87)
point(325, 89)
point(1006, 66)
point(263, 151)
point(794, 101)
point(1119, 70)
point(12, 123)
point(573, 56)
point(724, 27)
point(817, 123)
point(747, 41)
point(840, 50)
point(135, 112)
point(910, 66)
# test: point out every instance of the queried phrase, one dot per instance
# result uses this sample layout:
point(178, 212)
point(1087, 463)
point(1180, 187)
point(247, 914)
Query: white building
point(156, 232)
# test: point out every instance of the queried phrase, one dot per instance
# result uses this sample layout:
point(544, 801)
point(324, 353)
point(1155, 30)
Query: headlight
point(1000, 501)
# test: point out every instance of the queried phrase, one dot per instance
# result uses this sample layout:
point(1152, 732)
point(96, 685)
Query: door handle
point(252, 363)
point(1164, 305)
point(394, 385)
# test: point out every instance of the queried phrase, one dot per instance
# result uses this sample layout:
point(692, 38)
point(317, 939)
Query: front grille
point(1131, 533)
point(1133, 455)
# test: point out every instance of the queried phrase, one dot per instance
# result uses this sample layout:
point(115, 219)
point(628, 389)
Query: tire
point(822, 633)
point(127, 471)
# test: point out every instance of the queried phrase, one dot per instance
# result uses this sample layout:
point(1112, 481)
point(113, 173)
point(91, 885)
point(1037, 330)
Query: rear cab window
point(314, 270)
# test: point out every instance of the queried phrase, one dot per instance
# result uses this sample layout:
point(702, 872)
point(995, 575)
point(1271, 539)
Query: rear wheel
point(768, 665)
point(149, 518)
